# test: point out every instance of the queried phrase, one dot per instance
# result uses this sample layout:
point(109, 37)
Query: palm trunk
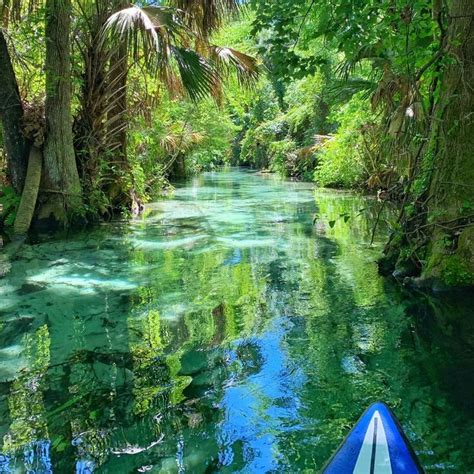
point(11, 118)
point(117, 115)
point(118, 76)
point(90, 127)
point(118, 193)
point(61, 179)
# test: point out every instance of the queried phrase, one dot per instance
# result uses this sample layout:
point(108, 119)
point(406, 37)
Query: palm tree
point(173, 42)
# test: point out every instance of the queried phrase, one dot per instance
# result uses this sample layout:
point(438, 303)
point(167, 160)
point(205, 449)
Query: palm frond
point(147, 30)
point(161, 37)
point(198, 76)
point(228, 60)
point(343, 90)
point(205, 16)
point(347, 67)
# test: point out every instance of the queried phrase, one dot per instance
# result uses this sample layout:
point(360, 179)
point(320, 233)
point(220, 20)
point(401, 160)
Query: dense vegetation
point(104, 104)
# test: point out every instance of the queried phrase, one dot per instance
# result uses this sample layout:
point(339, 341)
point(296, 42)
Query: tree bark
point(435, 245)
point(118, 192)
point(61, 186)
point(118, 76)
point(450, 251)
point(11, 118)
point(29, 196)
point(90, 127)
point(118, 96)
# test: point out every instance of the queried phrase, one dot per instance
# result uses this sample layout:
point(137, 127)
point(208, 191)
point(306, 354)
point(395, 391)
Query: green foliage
point(456, 272)
point(385, 51)
point(304, 99)
point(9, 202)
point(281, 138)
point(280, 152)
point(257, 142)
point(217, 130)
point(341, 161)
point(200, 133)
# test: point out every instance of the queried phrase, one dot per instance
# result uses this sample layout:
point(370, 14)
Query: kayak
point(376, 445)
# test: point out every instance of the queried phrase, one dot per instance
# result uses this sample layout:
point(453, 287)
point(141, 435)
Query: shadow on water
point(227, 330)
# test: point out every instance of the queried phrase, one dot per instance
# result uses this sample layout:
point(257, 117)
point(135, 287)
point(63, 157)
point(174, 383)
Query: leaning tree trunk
point(11, 118)
point(29, 196)
point(450, 251)
point(61, 187)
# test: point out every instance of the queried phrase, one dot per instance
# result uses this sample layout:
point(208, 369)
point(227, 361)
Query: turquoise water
point(239, 326)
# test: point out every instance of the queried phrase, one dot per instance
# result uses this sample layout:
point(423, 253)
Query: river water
point(238, 326)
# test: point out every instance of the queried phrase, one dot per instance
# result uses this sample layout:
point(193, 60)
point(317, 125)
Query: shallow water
point(225, 331)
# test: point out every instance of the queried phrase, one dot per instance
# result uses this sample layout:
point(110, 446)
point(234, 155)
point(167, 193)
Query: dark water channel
point(225, 332)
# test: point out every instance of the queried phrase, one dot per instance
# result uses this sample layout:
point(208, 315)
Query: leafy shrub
point(257, 141)
point(280, 154)
point(341, 162)
point(9, 202)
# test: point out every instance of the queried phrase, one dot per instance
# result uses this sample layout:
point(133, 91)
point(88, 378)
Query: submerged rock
point(28, 288)
point(5, 265)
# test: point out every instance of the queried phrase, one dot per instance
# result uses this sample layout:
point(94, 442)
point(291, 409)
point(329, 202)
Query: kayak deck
point(376, 445)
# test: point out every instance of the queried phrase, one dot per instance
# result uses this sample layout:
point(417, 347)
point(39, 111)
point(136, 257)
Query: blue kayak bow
point(376, 445)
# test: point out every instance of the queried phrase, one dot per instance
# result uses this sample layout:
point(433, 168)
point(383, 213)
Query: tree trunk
point(450, 252)
point(61, 186)
point(11, 118)
point(90, 127)
point(29, 196)
point(437, 241)
point(117, 121)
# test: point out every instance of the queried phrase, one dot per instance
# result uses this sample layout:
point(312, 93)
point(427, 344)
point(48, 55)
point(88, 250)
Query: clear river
point(237, 326)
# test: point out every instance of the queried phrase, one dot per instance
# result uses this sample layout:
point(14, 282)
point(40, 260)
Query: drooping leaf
point(229, 59)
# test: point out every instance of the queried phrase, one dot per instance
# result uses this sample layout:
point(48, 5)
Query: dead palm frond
point(228, 60)
point(389, 86)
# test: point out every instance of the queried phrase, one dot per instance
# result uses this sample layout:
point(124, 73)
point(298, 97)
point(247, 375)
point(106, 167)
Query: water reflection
point(239, 327)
